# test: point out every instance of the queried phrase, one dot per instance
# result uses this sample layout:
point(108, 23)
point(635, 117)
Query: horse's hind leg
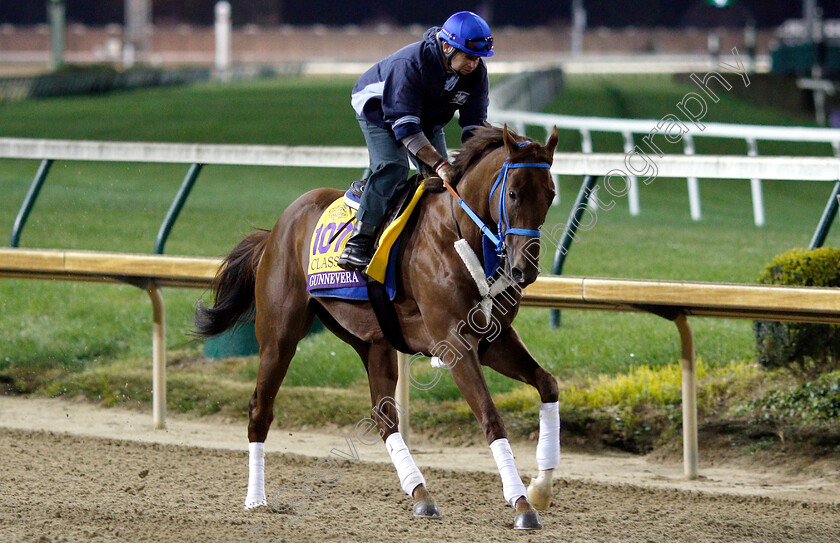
point(509, 356)
point(283, 319)
point(381, 363)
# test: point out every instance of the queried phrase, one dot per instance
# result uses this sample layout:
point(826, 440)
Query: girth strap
point(386, 315)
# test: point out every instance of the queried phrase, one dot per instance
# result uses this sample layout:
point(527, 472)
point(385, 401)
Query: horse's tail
point(233, 287)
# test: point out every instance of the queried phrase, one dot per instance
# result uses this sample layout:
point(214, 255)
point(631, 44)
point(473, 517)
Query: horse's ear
point(551, 144)
point(510, 143)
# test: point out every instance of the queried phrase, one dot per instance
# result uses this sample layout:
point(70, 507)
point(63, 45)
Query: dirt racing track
point(58, 486)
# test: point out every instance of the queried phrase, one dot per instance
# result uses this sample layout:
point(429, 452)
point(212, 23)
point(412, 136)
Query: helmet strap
point(447, 56)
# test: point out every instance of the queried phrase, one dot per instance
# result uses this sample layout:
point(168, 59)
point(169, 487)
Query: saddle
point(353, 196)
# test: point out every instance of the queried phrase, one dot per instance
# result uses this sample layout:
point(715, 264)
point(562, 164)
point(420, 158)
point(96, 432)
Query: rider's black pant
point(388, 171)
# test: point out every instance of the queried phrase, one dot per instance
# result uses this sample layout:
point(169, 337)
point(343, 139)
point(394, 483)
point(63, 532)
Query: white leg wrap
point(548, 446)
point(256, 476)
point(407, 470)
point(512, 486)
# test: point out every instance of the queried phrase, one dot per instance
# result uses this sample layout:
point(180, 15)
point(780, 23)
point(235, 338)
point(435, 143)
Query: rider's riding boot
point(359, 249)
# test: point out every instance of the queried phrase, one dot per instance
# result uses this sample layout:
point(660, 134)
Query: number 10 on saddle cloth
point(326, 279)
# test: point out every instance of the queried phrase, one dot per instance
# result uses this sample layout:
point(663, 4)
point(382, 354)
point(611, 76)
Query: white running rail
point(648, 129)
point(706, 166)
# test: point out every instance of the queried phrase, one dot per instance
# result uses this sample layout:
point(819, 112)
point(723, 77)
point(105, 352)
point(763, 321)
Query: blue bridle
point(502, 180)
point(494, 244)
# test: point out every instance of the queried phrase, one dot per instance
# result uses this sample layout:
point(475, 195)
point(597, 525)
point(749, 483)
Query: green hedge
point(814, 401)
point(809, 348)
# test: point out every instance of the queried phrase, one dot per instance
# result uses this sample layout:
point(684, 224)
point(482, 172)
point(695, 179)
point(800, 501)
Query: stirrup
point(350, 260)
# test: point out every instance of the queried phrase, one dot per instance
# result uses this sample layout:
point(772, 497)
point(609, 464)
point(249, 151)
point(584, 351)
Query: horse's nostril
point(517, 274)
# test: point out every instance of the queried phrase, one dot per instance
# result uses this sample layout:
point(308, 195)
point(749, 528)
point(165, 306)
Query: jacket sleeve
point(474, 110)
point(402, 98)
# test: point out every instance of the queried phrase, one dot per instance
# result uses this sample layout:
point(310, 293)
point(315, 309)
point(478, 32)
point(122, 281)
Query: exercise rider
point(402, 104)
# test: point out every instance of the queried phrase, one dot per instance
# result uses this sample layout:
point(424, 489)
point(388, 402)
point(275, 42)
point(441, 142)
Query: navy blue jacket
point(411, 90)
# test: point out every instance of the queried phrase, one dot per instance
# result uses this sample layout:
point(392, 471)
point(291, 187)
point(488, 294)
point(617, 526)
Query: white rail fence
point(185, 153)
point(651, 132)
point(601, 164)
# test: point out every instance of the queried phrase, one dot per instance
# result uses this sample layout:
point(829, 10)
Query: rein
point(490, 240)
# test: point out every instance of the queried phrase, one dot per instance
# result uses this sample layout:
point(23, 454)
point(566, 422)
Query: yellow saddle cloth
point(329, 238)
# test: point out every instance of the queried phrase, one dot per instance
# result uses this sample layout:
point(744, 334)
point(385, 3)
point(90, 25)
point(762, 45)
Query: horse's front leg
point(470, 381)
point(509, 356)
point(382, 376)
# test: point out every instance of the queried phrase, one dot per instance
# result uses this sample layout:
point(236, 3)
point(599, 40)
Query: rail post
point(56, 13)
point(826, 220)
point(830, 211)
point(175, 208)
point(633, 193)
point(581, 203)
point(689, 397)
point(223, 42)
point(755, 187)
point(158, 356)
point(693, 184)
point(29, 201)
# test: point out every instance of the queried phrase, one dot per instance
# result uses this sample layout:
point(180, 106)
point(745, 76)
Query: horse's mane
point(484, 141)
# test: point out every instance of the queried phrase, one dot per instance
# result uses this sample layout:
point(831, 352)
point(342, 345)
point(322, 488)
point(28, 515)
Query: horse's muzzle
point(522, 277)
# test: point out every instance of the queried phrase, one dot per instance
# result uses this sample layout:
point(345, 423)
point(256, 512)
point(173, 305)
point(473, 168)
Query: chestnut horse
point(436, 297)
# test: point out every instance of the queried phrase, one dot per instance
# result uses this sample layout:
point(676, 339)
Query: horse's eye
point(512, 195)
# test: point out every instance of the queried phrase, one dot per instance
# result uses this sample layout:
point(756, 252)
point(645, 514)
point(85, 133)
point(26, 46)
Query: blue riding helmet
point(469, 33)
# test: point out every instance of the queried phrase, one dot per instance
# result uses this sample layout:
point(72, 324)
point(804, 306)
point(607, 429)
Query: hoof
point(539, 491)
point(529, 520)
point(253, 504)
point(426, 509)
